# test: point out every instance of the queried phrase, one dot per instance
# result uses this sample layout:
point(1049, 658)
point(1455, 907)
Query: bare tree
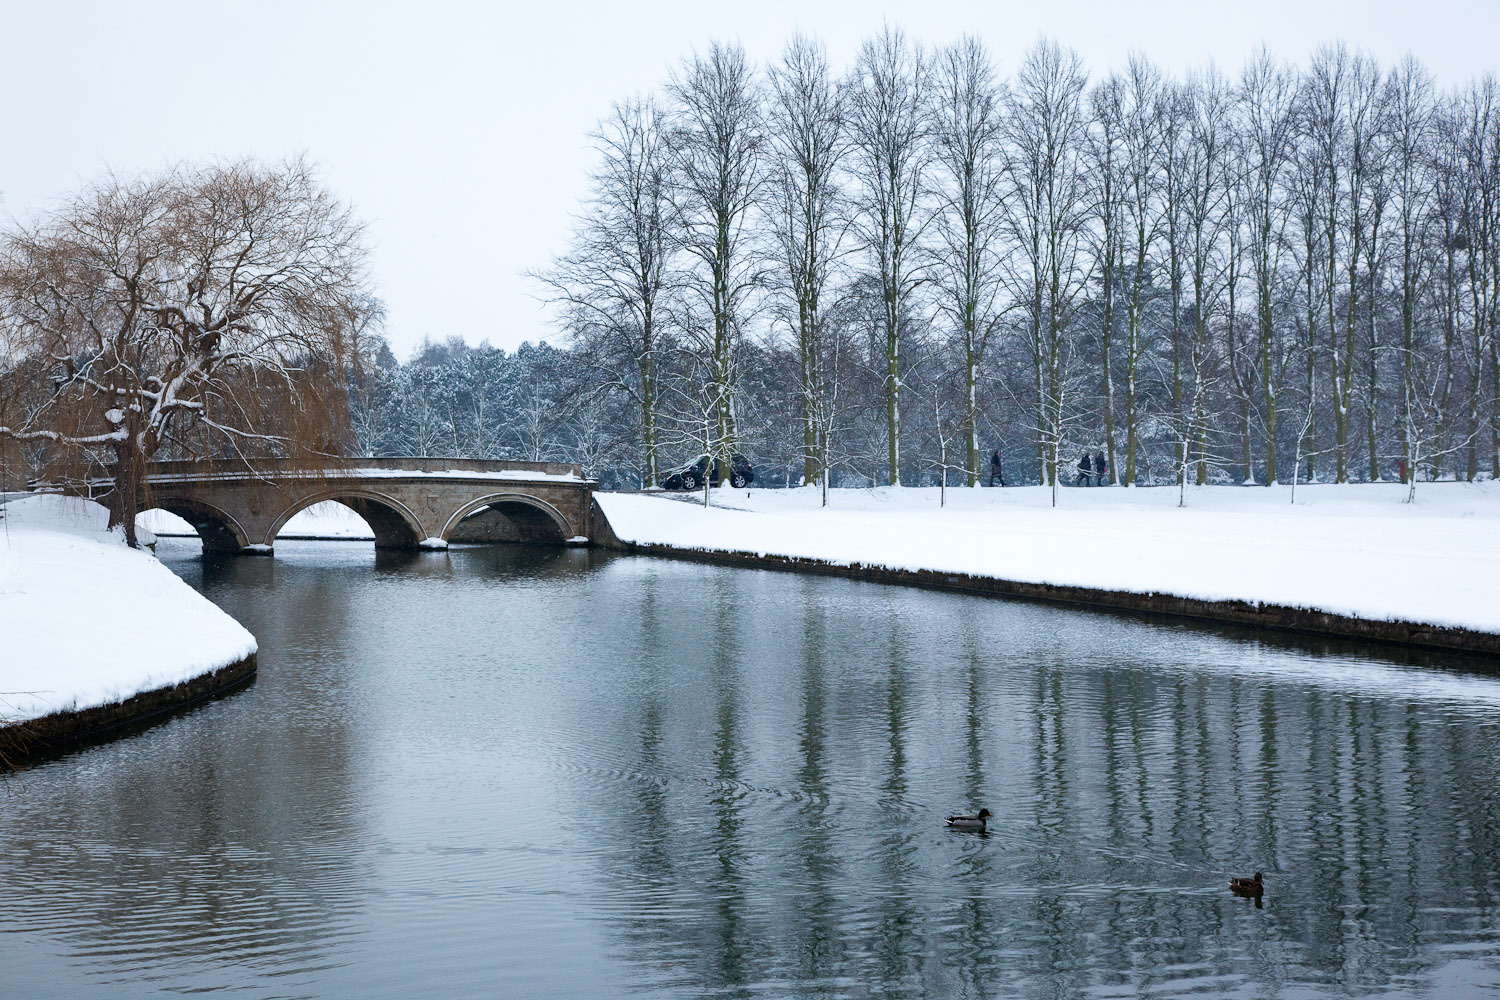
point(1422, 416)
point(1450, 234)
point(1341, 122)
point(889, 130)
point(1205, 188)
point(717, 142)
point(1478, 146)
point(1046, 219)
point(968, 132)
point(695, 397)
point(1378, 154)
point(1267, 134)
point(1135, 100)
point(370, 378)
point(833, 410)
point(1107, 177)
point(535, 423)
point(591, 445)
point(210, 309)
point(1410, 98)
point(615, 284)
point(1309, 196)
point(1175, 149)
point(1239, 352)
point(806, 129)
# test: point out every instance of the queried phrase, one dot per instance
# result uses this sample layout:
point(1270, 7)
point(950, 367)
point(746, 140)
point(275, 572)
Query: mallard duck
point(1251, 886)
point(974, 822)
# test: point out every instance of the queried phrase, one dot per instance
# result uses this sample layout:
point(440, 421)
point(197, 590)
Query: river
point(506, 771)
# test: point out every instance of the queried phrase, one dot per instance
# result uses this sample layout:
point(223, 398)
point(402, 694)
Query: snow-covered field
point(85, 620)
point(1352, 550)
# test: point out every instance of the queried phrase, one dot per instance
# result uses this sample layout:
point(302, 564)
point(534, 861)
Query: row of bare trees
point(1292, 272)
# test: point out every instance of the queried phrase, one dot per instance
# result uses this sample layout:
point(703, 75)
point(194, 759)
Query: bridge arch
point(393, 523)
point(217, 528)
point(535, 519)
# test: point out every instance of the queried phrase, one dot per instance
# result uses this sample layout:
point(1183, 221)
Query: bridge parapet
point(274, 468)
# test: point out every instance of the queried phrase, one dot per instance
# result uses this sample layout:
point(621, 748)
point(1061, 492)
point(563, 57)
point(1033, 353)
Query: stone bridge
point(408, 502)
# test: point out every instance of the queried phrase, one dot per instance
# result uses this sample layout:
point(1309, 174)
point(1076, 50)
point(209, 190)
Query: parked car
point(689, 475)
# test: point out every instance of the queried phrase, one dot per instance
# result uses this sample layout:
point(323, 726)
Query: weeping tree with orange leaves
point(209, 312)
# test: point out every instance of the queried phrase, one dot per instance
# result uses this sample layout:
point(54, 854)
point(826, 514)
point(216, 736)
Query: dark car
point(689, 476)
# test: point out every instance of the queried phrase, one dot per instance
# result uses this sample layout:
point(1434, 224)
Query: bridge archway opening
point(509, 518)
point(392, 524)
point(218, 531)
point(331, 520)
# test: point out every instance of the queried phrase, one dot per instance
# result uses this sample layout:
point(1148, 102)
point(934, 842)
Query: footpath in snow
point(1355, 550)
point(87, 621)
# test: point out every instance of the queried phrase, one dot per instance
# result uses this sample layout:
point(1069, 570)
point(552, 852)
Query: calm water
point(521, 772)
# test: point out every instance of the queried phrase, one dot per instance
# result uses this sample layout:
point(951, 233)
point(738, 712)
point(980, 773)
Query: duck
point(974, 822)
point(1252, 886)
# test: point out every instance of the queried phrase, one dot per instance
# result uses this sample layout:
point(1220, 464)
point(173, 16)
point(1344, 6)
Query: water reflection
point(544, 773)
point(1132, 782)
point(201, 847)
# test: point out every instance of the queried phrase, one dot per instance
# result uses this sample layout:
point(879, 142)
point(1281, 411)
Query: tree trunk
point(893, 401)
point(130, 475)
point(648, 417)
point(811, 392)
point(1106, 336)
point(1373, 394)
point(1267, 333)
point(971, 398)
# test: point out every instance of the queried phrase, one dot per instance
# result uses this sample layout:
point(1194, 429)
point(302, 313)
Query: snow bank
point(85, 620)
point(1354, 550)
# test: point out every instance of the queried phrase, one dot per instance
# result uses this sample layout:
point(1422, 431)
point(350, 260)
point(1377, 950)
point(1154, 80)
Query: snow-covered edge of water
point(1355, 551)
point(88, 621)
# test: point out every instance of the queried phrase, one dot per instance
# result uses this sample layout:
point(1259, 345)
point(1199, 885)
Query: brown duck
point(1252, 886)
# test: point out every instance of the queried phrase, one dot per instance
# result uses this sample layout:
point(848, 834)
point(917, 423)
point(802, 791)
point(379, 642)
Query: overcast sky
point(459, 131)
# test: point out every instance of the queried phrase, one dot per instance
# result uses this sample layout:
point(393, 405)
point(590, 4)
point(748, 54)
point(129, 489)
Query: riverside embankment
point(1353, 561)
point(94, 635)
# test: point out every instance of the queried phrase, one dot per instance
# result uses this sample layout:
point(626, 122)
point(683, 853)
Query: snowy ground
point(86, 620)
point(1353, 550)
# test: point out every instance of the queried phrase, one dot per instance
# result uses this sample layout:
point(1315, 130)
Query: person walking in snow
point(996, 471)
point(1101, 468)
point(1085, 469)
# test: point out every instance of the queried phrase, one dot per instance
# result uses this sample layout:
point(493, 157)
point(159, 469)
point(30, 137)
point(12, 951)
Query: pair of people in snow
point(1096, 468)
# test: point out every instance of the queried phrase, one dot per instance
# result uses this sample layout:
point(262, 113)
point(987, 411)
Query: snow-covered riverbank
point(1354, 550)
point(87, 621)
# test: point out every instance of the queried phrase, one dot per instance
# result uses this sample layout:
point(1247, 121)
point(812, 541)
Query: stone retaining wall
point(49, 734)
point(1261, 616)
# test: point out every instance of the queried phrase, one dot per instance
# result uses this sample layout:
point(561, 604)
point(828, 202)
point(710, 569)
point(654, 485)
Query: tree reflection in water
point(544, 772)
point(1134, 767)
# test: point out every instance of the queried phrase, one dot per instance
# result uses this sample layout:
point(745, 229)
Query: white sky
point(459, 130)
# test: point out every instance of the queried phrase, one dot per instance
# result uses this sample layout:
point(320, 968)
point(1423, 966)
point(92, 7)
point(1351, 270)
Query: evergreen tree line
point(452, 399)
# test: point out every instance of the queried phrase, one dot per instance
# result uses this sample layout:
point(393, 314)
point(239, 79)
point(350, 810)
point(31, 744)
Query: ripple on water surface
point(543, 773)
